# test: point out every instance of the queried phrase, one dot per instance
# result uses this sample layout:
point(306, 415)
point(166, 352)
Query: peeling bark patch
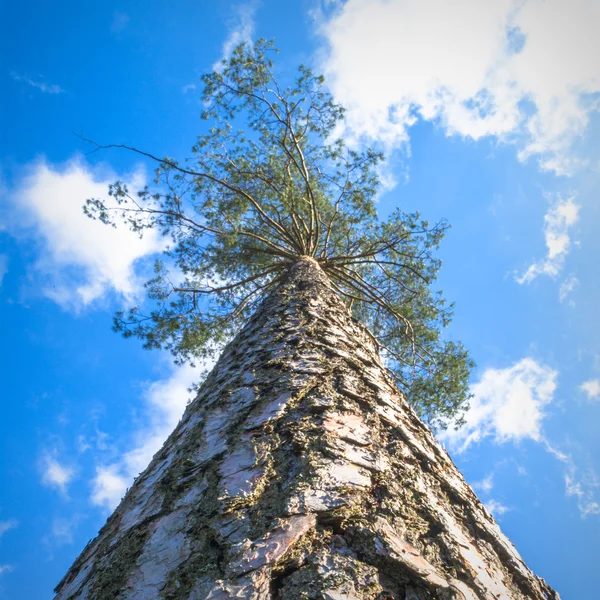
point(165, 550)
point(274, 545)
point(270, 411)
point(349, 427)
point(341, 473)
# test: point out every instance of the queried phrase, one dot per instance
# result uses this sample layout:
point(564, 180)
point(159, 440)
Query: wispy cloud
point(165, 402)
point(567, 287)
point(591, 388)
point(485, 485)
point(98, 440)
point(80, 260)
point(55, 474)
point(519, 71)
point(190, 87)
point(7, 526)
point(496, 507)
point(484, 488)
point(508, 405)
point(521, 470)
point(119, 22)
point(3, 266)
point(241, 29)
point(584, 488)
point(559, 219)
point(45, 88)
point(6, 569)
point(62, 531)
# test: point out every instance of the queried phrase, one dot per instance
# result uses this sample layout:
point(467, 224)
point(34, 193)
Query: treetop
point(268, 183)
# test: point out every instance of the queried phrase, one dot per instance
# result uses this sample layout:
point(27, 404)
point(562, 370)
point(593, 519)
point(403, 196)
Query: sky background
point(489, 115)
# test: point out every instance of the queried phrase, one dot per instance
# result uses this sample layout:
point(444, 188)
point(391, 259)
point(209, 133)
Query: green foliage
point(270, 182)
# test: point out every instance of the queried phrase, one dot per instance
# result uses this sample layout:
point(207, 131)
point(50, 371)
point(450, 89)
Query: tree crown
point(270, 183)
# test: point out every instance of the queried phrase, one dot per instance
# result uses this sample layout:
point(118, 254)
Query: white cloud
point(7, 526)
point(45, 88)
point(97, 440)
point(55, 474)
point(165, 402)
point(524, 71)
point(6, 569)
point(61, 532)
point(3, 266)
point(566, 287)
point(190, 87)
point(485, 485)
point(584, 488)
point(561, 216)
point(109, 486)
point(591, 388)
point(80, 260)
point(241, 30)
point(119, 22)
point(82, 444)
point(496, 508)
point(508, 405)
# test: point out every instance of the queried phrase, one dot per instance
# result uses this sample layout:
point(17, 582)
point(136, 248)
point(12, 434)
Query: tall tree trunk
point(300, 472)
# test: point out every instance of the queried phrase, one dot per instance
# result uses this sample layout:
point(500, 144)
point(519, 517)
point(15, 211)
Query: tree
point(270, 182)
point(299, 471)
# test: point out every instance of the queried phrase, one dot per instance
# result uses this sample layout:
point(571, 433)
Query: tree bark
point(300, 472)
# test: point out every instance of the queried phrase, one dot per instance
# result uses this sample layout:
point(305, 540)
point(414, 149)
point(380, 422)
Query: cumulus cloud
point(80, 260)
point(55, 474)
point(559, 219)
point(45, 88)
point(165, 402)
point(241, 30)
point(521, 71)
point(591, 388)
point(508, 405)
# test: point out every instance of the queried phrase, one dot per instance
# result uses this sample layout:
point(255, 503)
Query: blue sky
point(489, 115)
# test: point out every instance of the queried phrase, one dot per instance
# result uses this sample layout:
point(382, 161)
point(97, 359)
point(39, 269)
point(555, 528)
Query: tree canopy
point(269, 182)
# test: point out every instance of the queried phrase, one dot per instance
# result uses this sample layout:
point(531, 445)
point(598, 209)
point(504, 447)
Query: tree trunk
point(300, 472)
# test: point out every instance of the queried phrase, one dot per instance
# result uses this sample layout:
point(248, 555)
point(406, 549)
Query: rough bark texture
point(300, 472)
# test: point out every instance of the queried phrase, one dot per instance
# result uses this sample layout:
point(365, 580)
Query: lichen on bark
point(300, 472)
